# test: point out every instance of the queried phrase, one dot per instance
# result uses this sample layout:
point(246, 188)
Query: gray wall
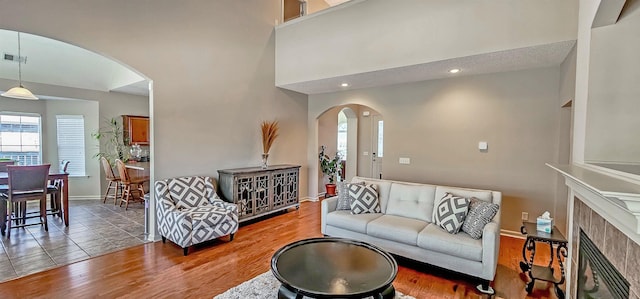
point(439, 123)
point(614, 90)
point(212, 66)
point(567, 94)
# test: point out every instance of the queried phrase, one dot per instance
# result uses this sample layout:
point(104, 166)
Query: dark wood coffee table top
point(334, 267)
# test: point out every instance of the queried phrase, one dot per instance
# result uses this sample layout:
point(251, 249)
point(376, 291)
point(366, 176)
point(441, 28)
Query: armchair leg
point(231, 237)
point(164, 239)
point(185, 251)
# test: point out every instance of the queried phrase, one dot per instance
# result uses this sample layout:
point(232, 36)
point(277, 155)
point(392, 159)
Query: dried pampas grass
point(269, 134)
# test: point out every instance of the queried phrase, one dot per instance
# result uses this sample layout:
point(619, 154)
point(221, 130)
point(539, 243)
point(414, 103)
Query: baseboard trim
point(512, 234)
point(85, 197)
point(308, 198)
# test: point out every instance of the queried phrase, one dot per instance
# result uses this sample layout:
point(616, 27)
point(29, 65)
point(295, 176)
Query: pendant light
point(19, 92)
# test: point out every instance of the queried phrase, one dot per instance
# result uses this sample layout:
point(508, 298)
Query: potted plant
point(329, 167)
point(113, 141)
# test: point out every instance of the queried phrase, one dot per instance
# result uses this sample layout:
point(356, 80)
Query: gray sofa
point(405, 228)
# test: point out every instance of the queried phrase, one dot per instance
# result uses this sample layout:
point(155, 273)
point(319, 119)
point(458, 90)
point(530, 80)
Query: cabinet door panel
point(136, 129)
point(279, 189)
point(262, 193)
point(244, 196)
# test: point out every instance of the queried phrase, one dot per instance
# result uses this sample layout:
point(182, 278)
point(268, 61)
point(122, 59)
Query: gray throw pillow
point(480, 213)
point(451, 212)
point(343, 197)
point(363, 199)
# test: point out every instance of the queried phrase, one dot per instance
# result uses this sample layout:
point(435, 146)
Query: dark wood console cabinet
point(136, 129)
point(259, 192)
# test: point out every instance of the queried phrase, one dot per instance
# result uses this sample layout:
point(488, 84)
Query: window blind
point(70, 130)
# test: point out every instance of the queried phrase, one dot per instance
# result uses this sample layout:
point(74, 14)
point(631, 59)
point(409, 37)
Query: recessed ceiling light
point(453, 71)
point(344, 84)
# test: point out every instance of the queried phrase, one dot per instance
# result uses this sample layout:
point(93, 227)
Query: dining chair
point(26, 183)
point(5, 163)
point(55, 192)
point(114, 181)
point(130, 185)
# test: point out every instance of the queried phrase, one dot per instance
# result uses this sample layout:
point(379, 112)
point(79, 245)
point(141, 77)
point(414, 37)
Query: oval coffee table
point(334, 268)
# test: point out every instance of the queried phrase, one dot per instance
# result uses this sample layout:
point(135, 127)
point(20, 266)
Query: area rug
point(265, 286)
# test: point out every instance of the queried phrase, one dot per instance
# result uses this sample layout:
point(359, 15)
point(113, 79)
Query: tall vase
point(264, 160)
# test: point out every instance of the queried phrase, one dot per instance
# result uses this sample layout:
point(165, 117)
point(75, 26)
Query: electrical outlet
point(525, 216)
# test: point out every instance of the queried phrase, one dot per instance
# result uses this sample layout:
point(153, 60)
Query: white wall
point(380, 34)
point(439, 123)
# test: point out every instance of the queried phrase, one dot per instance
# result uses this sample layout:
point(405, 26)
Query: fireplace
point(597, 277)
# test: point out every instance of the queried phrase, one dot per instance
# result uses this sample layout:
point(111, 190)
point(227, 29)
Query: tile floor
point(95, 229)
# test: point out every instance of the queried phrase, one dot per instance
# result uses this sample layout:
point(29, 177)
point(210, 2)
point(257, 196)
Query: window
point(380, 138)
point(342, 135)
point(70, 130)
point(20, 137)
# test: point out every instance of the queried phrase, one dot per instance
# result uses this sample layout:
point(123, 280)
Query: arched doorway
point(55, 72)
point(355, 129)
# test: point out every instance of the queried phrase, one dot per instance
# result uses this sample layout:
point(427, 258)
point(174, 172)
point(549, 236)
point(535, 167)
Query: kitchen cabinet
point(136, 129)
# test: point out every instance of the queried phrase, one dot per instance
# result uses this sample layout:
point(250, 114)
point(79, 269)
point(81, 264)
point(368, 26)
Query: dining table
point(53, 175)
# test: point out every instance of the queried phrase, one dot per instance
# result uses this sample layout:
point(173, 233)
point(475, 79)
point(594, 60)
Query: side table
point(541, 272)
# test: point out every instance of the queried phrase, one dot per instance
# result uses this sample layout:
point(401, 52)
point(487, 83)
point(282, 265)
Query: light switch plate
point(483, 145)
point(365, 153)
point(404, 160)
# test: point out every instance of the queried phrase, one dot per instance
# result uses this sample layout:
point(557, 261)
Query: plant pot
point(331, 190)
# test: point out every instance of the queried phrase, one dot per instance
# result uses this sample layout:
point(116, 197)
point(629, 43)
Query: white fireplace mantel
point(615, 199)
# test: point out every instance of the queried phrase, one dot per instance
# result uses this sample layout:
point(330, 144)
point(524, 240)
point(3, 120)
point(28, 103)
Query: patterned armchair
point(190, 212)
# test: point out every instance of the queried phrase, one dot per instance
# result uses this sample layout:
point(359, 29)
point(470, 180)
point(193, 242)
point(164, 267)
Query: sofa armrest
point(328, 205)
point(490, 250)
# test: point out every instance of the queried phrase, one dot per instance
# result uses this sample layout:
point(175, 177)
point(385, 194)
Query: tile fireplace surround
point(604, 208)
point(622, 252)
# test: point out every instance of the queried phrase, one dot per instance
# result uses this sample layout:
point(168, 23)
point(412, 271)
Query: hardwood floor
point(157, 270)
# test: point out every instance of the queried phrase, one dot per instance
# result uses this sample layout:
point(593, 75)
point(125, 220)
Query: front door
point(377, 146)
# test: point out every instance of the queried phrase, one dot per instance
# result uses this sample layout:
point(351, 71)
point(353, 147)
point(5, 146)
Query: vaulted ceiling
point(54, 62)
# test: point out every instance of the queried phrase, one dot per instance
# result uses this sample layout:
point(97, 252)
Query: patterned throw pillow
point(363, 199)
point(450, 212)
point(343, 197)
point(480, 213)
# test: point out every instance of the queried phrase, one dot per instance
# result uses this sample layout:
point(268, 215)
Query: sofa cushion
point(411, 200)
point(384, 187)
point(188, 192)
point(345, 220)
point(396, 228)
point(363, 199)
point(450, 212)
point(461, 245)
